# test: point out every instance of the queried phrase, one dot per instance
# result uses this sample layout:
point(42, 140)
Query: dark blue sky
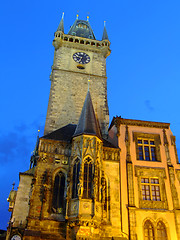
point(143, 69)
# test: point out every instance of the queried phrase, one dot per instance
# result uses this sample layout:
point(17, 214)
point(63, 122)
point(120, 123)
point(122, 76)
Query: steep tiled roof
point(88, 123)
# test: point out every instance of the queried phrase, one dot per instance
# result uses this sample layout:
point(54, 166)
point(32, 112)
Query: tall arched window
point(148, 231)
point(161, 231)
point(76, 169)
point(58, 201)
point(87, 183)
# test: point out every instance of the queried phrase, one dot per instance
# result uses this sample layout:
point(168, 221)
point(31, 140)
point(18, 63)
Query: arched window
point(58, 202)
point(76, 169)
point(148, 231)
point(161, 231)
point(87, 183)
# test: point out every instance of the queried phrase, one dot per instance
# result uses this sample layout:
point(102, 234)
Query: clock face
point(16, 237)
point(81, 57)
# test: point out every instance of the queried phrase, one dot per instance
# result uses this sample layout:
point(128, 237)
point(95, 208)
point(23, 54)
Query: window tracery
point(58, 201)
point(76, 169)
point(87, 178)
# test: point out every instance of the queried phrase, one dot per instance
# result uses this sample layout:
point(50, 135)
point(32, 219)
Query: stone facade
point(124, 184)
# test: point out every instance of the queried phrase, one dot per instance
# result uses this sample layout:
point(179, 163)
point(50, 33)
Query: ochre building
point(88, 180)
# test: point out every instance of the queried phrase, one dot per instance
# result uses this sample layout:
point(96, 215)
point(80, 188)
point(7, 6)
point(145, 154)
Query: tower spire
point(105, 35)
point(61, 25)
point(88, 123)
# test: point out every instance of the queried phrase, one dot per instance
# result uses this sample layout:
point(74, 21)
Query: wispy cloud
point(148, 105)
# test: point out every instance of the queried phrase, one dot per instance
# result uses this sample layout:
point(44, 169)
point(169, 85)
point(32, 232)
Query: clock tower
point(78, 58)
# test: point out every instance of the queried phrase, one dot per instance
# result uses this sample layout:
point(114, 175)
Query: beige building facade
point(88, 182)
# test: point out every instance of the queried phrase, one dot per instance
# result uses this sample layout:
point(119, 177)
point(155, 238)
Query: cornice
point(131, 122)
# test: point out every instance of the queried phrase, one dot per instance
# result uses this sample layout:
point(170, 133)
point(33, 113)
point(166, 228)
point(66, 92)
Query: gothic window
point(58, 203)
point(147, 149)
point(76, 169)
point(87, 179)
point(148, 231)
point(150, 189)
point(161, 231)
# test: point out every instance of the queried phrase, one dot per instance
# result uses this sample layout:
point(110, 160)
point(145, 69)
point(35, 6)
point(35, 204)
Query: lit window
point(148, 231)
point(58, 202)
point(150, 189)
point(87, 183)
point(147, 149)
point(161, 231)
point(76, 169)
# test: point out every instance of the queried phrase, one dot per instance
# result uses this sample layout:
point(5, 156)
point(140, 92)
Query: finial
point(63, 15)
point(13, 185)
point(88, 83)
point(104, 23)
point(88, 18)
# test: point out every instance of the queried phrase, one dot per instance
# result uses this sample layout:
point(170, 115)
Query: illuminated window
point(148, 231)
point(76, 169)
point(87, 183)
point(150, 189)
point(161, 231)
point(147, 149)
point(58, 202)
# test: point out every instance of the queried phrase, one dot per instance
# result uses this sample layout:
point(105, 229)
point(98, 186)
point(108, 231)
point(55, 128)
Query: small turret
point(105, 35)
point(61, 25)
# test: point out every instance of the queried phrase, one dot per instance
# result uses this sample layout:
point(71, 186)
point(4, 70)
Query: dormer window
point(80, 25)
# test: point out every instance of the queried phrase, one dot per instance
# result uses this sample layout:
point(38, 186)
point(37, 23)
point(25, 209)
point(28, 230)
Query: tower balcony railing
point(81, 40)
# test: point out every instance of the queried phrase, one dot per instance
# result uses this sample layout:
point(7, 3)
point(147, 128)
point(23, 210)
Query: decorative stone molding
point(111, 154)
point(166, 145)
point(156, 138)
point(173, 142)
point(150, 173)
point(173, 187)
point(122, 121)
point(127, 141)
point(178, 174)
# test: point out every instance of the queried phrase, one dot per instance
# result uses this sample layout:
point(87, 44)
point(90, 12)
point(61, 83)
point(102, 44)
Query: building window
point(150, 189)
point(147, 149)
point(87, 179)
point(161, 231)
point(148, 231)
point(76, 169)
point(147, 146)
point(58, 202)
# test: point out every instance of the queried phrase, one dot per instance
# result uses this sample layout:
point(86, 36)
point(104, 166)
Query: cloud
point(13, 146)
point(148, 105)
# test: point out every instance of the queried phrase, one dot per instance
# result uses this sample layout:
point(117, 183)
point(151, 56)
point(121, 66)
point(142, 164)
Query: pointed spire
point(105, 35)
point(61, 25)
point(88, 123)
